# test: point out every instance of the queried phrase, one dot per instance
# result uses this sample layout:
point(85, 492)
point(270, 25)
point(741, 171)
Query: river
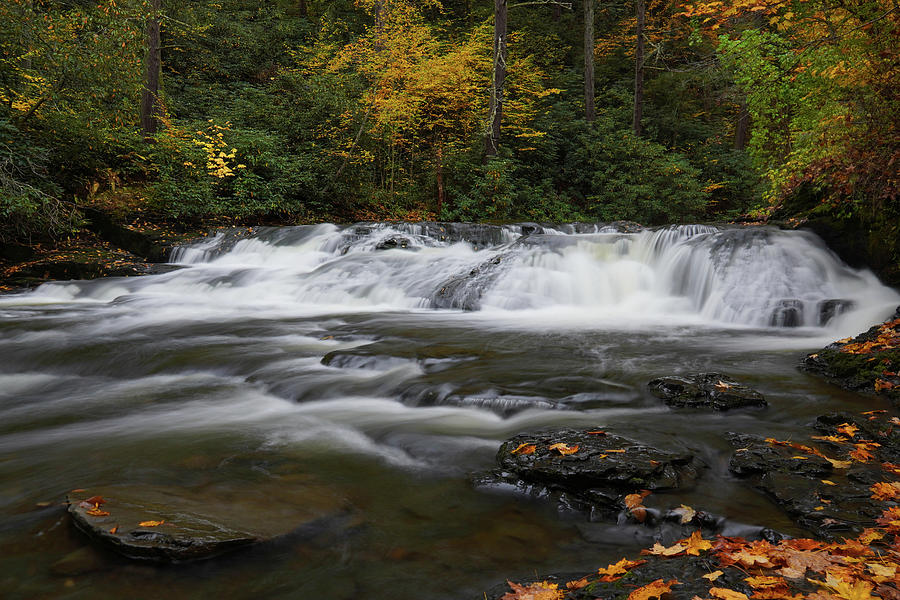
point(385, 364)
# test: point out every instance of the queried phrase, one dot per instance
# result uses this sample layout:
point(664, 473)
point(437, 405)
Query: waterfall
point(736, 276)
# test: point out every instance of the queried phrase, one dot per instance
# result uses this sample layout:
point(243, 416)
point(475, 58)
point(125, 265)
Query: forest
point(657, 111)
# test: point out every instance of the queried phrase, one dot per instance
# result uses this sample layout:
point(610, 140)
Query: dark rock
point(826, 500)
point(687, 570)
point(393, 242)
point(705, 390)
point(196, 524)
point(787, 313)
point(829, 309)
point(596, 478)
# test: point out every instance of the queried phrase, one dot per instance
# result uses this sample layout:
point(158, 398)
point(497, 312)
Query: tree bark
point(302, 8)
point(639, 70)
point(590, 112)
point(150, 106)
point(439, 173)
point(492, 139)
point(742, 130)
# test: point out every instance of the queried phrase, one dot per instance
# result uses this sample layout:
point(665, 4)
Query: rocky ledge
point(172, 525)
point(588, 470)
point(705, 390)
point(867, 363)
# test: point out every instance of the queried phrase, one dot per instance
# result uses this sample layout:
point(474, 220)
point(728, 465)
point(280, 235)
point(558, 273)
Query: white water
point(688, 274)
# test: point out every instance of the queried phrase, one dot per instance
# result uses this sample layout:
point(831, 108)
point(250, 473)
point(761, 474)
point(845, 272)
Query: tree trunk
point(590, 112)
point(150, 107)
point(302, 8)
point(639, 69)
point(742, 130)
point(439, 173)
point(492, 139)
point(379, 24)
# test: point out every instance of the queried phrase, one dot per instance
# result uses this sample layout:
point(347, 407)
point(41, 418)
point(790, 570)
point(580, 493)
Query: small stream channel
point(381, 365)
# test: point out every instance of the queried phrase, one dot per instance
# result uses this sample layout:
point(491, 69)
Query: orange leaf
point(596, 433)
point(114, 529)
point(150, 523)
point(726, 594)
point(524, 449)
point(577, 584)
point(885, 491)
point(96, 500)
point(848, 429)
point(695, 544)
point(635, 500)
point(564, 448)
point(619, 569)
point(654, 589)
point(96, 512)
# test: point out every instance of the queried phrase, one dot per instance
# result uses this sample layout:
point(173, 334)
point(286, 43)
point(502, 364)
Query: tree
point(590, 112)
point(639, 69)
point(498, 78)
point(150, 104)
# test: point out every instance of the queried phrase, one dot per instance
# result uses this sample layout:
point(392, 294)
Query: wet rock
point(596, 478)
point(876, 427)
point(868, 363)
point(787, 313)
point(393, 242)
point(831, 502)
point(465, 291)
point(829, 309)
point(705, 390)
point(199, 524)
point(687, 570)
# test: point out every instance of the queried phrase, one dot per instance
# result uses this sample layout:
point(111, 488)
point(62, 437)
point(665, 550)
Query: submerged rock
point(595, 477)
point(176, 525)
point(824, 485)
point(705, 390)
point(787, 313)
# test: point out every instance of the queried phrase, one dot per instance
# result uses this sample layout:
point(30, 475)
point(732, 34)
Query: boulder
point(705, 390)
point(177, 525)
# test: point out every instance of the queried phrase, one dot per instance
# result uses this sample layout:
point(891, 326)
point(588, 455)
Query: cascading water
point(754, 277)
point(388, 361)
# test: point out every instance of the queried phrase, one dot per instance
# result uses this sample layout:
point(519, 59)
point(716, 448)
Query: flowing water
point(386, 363)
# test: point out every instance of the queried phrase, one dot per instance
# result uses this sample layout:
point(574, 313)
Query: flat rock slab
point(705, 390)
point(832, 497)
point(176, 525)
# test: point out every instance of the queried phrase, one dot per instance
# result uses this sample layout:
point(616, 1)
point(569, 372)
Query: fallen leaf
point(695, 544)
point(654, 589)
point(828, 482)
point(564, 448)
point(96, 512)
point(870, 535)
point(847, 429)
point(722, 386)
point(150, 523)
point(856, 590)
point(524, 449)
point(114, 529)
point(95, 500)
point(713, 576)
point(596, 432)
point(577, 584)
point(633, 500)
point(660, 550)
point(620, 568)
point(542, 590)
point(726, 594)
point(613, 451)
point(885, 491)
point(686, 513)
point(839, 464)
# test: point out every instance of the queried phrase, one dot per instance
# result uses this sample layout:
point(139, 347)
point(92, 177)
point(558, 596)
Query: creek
point(385, 363)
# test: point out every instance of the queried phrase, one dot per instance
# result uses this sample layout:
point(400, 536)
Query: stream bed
point(371, 370)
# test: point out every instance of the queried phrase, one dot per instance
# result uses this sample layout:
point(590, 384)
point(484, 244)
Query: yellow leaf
point(654, 589)
point(695, 544)
point(564, 448)
point(828, 482)
point(686, 513)
point(726, 594)
point(713, 576)
point(542, 590)
point(856, 590)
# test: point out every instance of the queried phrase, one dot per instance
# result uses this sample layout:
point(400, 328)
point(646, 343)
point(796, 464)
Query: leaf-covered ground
point(858, 567)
